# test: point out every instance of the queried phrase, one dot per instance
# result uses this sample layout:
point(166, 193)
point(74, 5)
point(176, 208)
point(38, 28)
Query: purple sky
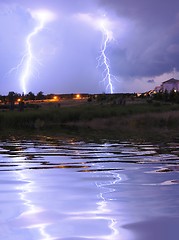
point(143, 53)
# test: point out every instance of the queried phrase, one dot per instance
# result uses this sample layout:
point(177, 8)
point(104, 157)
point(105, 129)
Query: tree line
point(8, 101)
point(172, 96)
point(13, 97)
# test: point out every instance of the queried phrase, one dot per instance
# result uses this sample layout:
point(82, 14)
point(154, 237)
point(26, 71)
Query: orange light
point(18, 99)
point(78, 96)
point(55, 98)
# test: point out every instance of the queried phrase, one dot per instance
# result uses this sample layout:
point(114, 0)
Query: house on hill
point(170, 85)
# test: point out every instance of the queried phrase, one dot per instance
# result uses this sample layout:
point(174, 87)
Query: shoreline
point(133, 122)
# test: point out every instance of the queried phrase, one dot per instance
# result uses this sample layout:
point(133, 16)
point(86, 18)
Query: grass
point(156, 122)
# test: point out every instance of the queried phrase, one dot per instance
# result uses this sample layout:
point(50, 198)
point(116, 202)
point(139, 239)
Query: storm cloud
point(145, 44)
point(152, 47)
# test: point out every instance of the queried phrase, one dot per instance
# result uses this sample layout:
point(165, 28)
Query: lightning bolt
point(103, 60)
point(29, 59)
point(105, 26)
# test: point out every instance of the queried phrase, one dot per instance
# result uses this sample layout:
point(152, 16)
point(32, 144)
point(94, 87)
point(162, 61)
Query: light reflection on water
point(76, 190)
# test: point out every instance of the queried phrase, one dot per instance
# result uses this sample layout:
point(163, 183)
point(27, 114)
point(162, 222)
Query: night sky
point(143, 51)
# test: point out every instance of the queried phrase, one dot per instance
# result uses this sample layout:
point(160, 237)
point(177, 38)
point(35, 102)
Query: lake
point(65, 189)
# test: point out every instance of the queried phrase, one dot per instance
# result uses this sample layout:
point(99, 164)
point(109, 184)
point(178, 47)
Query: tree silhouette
point(40, 96)
point(30, 96)
point(11, 98)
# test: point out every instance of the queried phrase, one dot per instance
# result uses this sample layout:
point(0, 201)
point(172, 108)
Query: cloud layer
point(145, 49)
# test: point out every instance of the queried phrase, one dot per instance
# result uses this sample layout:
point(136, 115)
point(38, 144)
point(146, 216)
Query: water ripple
point(52, 189)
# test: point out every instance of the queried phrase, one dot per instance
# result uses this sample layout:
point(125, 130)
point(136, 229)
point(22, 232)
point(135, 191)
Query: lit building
point(170, 85)
point(157, 89)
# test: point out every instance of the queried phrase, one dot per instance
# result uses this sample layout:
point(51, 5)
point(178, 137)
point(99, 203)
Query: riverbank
point(135, 121)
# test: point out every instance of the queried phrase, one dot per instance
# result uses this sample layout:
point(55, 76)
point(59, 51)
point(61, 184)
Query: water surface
point(53, 189)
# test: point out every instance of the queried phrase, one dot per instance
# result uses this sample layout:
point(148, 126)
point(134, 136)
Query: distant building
point(157, 89)
point(170, 85)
